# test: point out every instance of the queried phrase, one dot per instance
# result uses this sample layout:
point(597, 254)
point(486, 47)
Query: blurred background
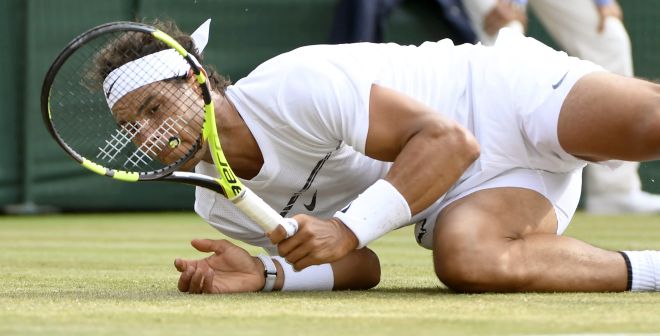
point(36, 175)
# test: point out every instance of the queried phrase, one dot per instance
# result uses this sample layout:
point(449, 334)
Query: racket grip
point(261, 213)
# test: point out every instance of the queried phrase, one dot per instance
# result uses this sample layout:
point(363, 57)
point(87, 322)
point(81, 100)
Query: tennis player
point(481, 148)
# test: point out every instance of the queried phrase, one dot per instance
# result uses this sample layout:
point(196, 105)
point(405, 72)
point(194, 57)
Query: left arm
point(429, 151)
point(231, 269)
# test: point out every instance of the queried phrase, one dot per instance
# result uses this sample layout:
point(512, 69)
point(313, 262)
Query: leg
point(504, 240)
point(606, 116)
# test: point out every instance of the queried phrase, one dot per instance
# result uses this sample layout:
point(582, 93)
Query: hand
point(613, 9)
point(230, 269)
point(317, 242)
point(502, 14)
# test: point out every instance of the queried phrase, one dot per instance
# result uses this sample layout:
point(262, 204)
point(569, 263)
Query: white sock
point(643, 270)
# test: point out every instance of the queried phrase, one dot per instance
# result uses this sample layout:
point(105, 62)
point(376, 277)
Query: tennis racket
point(116, 121)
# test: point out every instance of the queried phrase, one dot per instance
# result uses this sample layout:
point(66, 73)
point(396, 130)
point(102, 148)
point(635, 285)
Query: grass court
point(111, 274)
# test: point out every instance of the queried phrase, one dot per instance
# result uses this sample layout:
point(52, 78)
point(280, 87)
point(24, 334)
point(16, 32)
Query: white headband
point(152, 68)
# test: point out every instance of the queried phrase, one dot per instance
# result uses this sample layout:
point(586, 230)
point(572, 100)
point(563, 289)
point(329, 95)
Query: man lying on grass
point(481, 148)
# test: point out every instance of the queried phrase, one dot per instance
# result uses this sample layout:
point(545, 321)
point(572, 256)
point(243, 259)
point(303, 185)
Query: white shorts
point(517, 90)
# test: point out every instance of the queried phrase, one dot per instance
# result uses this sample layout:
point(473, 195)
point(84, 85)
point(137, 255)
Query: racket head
point(108, 117)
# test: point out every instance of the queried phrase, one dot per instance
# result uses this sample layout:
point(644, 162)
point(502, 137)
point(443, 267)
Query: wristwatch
point(270, 273)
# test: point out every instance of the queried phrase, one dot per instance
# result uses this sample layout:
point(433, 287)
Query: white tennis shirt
point(308, 110)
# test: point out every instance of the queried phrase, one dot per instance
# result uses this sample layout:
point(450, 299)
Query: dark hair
point(131, 46)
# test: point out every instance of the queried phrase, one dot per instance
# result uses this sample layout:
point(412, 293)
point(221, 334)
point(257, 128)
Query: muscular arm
point(429, 151)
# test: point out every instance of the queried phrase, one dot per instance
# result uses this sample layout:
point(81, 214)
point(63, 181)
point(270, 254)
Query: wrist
point(377, 211)
point(269, 271)
point(350, 239)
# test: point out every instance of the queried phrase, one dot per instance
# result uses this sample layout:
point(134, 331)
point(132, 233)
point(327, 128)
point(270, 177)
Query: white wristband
point(377, 211)
point(270, 273)
point(312, 278)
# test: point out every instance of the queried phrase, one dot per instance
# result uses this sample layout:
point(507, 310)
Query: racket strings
point(157, 143)
point(118, 141)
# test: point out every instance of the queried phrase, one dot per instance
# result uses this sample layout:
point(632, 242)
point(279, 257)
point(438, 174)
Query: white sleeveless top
point(308, 110)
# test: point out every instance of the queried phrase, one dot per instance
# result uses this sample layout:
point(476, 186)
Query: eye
point(154, 109)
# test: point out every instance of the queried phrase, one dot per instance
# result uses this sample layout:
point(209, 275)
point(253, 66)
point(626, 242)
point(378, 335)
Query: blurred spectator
point(591, 30)
point(363, 20)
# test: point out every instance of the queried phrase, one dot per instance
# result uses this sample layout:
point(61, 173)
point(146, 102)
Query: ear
point(192, 81)
point(190, 75)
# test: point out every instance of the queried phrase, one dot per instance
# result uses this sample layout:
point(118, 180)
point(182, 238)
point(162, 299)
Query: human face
point(165, 119)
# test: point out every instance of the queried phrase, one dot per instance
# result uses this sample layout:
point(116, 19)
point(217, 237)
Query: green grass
point(110, 274)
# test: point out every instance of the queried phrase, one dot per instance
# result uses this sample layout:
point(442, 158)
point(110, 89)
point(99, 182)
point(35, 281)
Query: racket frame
point(228, 184)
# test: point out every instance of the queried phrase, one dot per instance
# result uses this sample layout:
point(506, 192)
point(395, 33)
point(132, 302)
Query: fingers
point(285, 247)
point(207, 286)
point(185, 278)
point(209, 245)
point(196, 281)
point(304, 263)
point(196, 275)
point(276, 236)
point(601, 24)
point(297, 254)
point(194, 278)
point(179, 265)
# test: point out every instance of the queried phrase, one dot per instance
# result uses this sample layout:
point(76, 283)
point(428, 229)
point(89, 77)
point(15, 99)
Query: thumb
point(209, 245)
point(601, 21)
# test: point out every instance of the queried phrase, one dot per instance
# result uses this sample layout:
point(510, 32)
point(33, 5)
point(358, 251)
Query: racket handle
point(261, 213)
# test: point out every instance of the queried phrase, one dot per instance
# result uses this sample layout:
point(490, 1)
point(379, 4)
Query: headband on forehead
point(151, 68)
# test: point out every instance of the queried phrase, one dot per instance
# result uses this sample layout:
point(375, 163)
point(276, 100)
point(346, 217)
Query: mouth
point(164, 144)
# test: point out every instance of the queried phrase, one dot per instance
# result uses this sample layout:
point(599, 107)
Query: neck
point(238, 143)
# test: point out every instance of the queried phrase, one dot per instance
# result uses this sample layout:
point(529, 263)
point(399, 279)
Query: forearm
point(431, 162)
point(359, 270)
point(429, 153)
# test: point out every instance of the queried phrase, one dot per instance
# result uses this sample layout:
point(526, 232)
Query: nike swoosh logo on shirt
point(556, 85)
point(312, 203)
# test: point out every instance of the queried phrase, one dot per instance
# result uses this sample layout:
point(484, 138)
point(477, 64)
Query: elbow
point(371, 277)
point(460, 142)
point(369, 270)
point(468, 144)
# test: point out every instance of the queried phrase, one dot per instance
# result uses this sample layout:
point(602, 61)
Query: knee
point(477, 268)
